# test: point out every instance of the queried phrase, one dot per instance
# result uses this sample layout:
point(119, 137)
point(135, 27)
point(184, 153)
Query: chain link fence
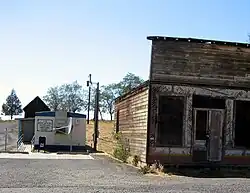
point(9, 139)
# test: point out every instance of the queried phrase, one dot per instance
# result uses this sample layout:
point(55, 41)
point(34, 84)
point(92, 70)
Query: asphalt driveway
point(101, 175)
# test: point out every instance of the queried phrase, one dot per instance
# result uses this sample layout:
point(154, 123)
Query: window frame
point(183, 98)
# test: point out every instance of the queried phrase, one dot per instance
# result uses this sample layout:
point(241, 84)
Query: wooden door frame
point(209, 110)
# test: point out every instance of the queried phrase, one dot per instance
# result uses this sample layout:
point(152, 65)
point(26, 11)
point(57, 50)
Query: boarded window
point(170, 121)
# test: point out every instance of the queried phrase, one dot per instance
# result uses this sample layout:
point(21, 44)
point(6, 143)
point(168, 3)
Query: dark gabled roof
point(133, 91)
point(37, 99)
point(237, 44)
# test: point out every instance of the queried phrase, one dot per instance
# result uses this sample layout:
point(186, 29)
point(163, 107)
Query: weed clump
point(121, 150)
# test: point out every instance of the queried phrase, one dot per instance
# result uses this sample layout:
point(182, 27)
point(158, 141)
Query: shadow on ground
point(91, 149)
point(210, 172)
point(87, 150)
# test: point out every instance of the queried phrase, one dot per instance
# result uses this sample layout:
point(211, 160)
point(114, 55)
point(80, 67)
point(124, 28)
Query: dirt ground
point(12, 134)
point(105, 141)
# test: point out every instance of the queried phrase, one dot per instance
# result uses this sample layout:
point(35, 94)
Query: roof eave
point(197, 40)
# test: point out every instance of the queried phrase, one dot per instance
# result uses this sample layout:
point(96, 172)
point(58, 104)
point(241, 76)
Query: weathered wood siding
point(132, 121)
point(200, 63)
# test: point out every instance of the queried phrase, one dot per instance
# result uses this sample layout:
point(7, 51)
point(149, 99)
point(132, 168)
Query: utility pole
point(89, 82)
point(96, 110)
point(96, 116)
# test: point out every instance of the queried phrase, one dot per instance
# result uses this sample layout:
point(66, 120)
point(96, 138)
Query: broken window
point(202, 101)
point(170, 121)
point(242, 124)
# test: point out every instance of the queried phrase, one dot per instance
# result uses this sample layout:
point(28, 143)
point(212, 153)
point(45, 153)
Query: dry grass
point(106, 142)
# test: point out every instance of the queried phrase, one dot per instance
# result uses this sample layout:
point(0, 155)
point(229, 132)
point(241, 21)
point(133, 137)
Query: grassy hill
point(105, 141)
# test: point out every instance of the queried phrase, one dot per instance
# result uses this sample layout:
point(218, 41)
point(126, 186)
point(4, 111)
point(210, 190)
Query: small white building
point(60, 131)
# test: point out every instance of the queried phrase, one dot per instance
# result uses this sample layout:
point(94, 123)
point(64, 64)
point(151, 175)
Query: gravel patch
point(101, 175)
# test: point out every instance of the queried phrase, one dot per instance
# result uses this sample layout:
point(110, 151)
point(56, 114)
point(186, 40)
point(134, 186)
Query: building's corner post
point(228, 131)
point(188, 121)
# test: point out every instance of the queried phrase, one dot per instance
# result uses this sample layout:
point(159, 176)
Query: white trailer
point(60, 131)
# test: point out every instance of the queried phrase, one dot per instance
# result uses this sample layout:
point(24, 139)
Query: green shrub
point(121, 152)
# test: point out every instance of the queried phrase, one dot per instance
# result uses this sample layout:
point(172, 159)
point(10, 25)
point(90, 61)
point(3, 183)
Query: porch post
point(188, 121)
point(228, 131)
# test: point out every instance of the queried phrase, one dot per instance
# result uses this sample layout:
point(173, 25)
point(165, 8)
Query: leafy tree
point(110, 92)
point(107, 98)
point(73, 97)
point(68, 97)
point(13, 105)
point(129, 82)
point(53, 98)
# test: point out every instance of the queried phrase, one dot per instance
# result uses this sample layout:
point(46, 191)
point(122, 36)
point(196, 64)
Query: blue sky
point(45, 43)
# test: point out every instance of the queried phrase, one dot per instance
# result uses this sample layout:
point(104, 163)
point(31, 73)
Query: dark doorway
point(201, 125)
point(208, 125)
point(242, 124)
point(170, 121)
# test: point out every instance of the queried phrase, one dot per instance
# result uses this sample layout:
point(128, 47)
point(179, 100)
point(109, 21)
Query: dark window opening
point(170, 121)
point(200, 101)
point(117, 121)
point(201, 125)
point(242, 124)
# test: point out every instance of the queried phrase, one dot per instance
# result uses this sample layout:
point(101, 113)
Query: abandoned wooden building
point(195, 108)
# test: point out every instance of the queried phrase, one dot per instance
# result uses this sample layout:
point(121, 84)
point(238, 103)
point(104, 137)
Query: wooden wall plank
point(200, 63)
point(133, 116)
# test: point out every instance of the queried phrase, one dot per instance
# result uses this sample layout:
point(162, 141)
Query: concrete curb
point(98, 154)
point(73, 153)
point(136, 167)
point(15, 152)
point(112, 157)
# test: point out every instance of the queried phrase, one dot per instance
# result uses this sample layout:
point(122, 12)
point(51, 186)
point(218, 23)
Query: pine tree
point(13, 105)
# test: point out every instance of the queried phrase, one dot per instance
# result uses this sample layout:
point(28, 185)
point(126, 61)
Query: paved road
point(100, 175)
